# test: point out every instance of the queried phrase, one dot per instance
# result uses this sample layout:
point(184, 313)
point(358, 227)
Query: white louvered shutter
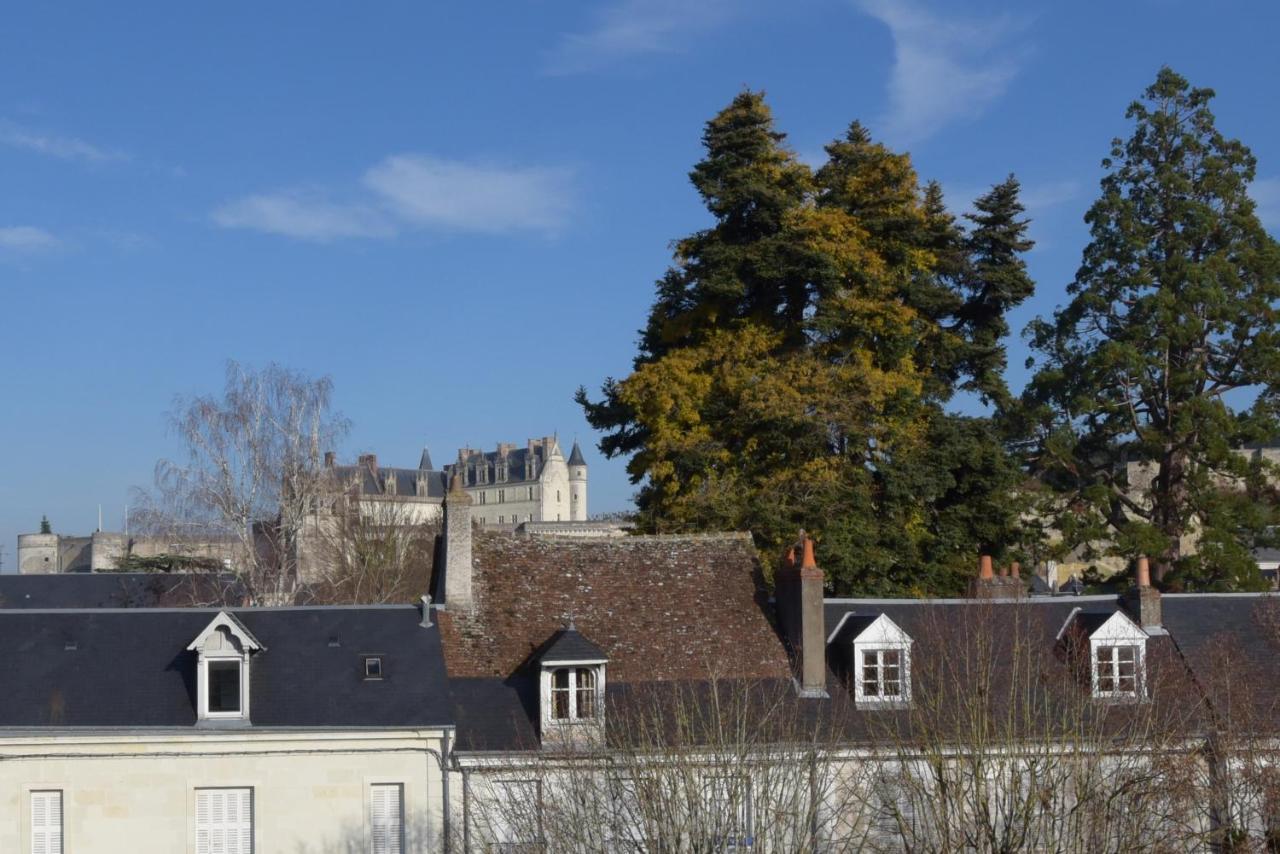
point(386, 818)
point(46, 823)
point(224, 821)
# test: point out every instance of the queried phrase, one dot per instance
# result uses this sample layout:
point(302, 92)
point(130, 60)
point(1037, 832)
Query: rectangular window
point(386, 818)
point(882, 673)
point(46, 822)
point(502, 495)
point(224, 687)
point(531, 493)
point(1117, 670)
point(373, 667)
point(560, 694)
point(224, 821)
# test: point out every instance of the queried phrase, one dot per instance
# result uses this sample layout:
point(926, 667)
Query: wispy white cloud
point(625, 29)
point(1051, 194)
point(55, 145)
point(26, 238)
point(407, 192)
point(434, 193)
point(945, 68)
point(306, 215)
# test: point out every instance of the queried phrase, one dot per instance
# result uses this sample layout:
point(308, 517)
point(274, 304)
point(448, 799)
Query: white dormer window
point(1118, 659)
point(572, 686)
point(882, 665)
point(224, 649)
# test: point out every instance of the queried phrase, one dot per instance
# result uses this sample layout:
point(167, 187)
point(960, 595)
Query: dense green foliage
point(799, 353)
point(1165, 364)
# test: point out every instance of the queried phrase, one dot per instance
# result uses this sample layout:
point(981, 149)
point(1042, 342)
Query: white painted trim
point(227, 620)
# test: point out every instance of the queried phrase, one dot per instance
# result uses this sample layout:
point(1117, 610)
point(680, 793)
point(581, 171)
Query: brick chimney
point(988, 585)
point(330, 459)
point(370, 460)
point(457, 547)
point(1143, 600)
point(798, 589)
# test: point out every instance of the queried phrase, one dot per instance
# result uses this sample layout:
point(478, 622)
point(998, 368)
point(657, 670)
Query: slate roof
point(575, 456)
point(660, 609)
point(130, 668)
point(119, 590)
point(370, 483)
point(569, 645)
point(515, 465)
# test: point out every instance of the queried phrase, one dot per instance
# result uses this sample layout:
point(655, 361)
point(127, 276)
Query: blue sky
point(457, 210)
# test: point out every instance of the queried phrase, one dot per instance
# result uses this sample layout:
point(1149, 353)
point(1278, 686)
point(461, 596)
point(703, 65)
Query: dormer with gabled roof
point(571, 689)
point(223, 649)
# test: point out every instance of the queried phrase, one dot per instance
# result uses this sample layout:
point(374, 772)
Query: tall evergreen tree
point(795, 362)
point(1139, 407)
point(994, 280)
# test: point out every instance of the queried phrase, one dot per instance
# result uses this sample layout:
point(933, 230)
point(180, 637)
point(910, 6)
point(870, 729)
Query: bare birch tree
point(250, 470)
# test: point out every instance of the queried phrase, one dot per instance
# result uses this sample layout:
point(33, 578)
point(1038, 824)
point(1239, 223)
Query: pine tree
point(994, 280)
point(1171, 325)
point(794, 365)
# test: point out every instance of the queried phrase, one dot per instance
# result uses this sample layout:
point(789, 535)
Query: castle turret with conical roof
point(577, 484)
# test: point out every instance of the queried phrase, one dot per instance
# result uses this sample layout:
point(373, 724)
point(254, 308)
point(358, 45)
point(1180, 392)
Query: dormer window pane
point(871, 673)
point(560, 694)
point(891, 673)
point(224, 686)
point(586, 692)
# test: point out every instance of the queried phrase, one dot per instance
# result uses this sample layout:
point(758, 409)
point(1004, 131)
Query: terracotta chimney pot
point(1144, 571)
point(808, 561)
point(984, 567)
point(1015, 569)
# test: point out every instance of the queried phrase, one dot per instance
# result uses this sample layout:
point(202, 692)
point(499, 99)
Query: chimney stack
point(457, 547)
point(370, 460)
point(1007, 585)
point(330, 459)
point(1143, 600)
point(799, 598)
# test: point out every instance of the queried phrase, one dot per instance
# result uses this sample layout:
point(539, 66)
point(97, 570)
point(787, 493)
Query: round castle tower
point(38, 553)
point(577, 485)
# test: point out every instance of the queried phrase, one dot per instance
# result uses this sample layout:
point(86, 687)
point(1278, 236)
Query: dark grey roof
point(131, 668)
point(515, 465)
point(569, 645)
point(425, 462)
point(575, 456)
point(406, 480)
point(119, 590)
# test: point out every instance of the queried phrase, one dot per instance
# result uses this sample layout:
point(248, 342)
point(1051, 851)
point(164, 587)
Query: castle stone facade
point(508, 486)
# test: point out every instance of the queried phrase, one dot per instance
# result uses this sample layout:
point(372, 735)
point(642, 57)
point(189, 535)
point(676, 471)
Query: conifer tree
point(795, 363)
point(1140, 407)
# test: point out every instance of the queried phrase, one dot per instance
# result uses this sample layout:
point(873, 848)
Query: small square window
point(373, 667)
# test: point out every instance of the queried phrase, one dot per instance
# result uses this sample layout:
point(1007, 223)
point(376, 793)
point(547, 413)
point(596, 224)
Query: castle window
point(557, 496)
point(502, 520)
point(530, 498)
point(502, 495)
point(373, 667)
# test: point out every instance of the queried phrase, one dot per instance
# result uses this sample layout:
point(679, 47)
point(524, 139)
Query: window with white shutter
point(224, 821)
point(46, 822)
point(386, 818)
